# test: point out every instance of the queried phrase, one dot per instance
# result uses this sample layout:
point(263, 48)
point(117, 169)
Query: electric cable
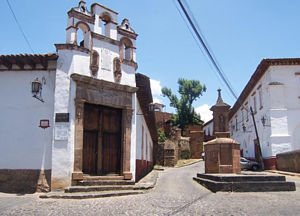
point(210, 56)
point(19, 26)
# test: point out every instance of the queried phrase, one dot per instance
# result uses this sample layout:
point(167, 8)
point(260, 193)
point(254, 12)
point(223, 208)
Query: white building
point(89, 115)
point(274, 94)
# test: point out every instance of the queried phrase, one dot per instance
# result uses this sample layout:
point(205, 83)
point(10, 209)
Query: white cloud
point(205, 113)
point(155, 87)
point(156, 100)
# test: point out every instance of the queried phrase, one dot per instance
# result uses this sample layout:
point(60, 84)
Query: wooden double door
point(102, 140)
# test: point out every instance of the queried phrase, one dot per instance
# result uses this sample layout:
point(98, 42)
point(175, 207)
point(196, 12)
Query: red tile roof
point(27, 59)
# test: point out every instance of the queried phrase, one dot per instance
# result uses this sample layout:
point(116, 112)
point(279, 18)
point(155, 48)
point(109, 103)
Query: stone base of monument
point(244, 182)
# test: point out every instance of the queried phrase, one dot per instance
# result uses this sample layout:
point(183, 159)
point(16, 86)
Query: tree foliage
point(190, 91)
point(161, 135)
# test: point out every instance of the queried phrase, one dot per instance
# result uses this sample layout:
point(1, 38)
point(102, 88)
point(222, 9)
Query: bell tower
point(220, 117)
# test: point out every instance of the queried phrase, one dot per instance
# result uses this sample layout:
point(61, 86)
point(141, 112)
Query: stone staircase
point(256, 182)
point(99, 186)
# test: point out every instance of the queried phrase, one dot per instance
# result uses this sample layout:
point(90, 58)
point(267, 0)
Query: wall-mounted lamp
point(245, 129)
point(151, 107)
point(36, 89)
point(263, 121)
point(35, 86)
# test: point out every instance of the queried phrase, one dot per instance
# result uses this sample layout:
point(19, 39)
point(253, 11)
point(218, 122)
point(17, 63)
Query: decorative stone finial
point(82, 7)
point(220, 100)
point(126, 25)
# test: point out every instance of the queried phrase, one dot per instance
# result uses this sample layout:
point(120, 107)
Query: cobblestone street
point(175, 194)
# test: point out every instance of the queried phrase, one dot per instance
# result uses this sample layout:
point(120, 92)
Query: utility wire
point(201, 49)
point(209, 54)
point(20, 27)
point(189, 11)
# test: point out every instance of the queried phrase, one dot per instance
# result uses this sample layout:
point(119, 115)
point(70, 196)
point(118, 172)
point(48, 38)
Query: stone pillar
point(71, 37)
point(222, 155)
point(79, 116)
point(126, 148)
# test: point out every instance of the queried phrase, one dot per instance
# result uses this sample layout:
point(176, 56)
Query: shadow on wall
point(24, 181)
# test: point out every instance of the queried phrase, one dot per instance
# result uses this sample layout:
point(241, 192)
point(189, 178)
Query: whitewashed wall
point(24, 145)
point(280, 88)
point(148, 144)
point(65, 91)
point(209, 129)
point(73, 61)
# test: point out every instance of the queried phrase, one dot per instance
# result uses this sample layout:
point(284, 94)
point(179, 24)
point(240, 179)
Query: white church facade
point(83, 111)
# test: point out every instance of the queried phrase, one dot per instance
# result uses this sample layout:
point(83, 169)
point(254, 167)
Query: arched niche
point(117, 70)
point(94, 62)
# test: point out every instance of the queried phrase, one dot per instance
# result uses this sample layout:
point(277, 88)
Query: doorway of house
point(101, 140)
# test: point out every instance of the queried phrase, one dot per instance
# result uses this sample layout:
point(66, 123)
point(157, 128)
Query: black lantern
point(263, 121)
point(35, 86)
point(36, 89)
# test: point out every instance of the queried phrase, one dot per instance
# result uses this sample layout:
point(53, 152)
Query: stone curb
point(283, 173)
point(189, 163)
point(89, 195)
point(149, 181)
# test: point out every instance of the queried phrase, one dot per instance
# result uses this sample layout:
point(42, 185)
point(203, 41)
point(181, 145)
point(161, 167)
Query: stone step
point(76, 189)
point(104, 182)
point(90, 195)
point(246, 186)
point(96, 178)
point(241, 177)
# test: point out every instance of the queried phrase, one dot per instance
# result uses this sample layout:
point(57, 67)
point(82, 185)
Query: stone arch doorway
point(111, 96)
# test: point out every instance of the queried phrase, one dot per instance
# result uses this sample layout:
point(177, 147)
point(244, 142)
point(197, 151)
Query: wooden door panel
point(91, 117)
point(111, 142)
point(111, 154)
point(90, 148)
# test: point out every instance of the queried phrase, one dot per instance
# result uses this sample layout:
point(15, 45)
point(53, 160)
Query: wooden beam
point(6, 63)
point(20, 62)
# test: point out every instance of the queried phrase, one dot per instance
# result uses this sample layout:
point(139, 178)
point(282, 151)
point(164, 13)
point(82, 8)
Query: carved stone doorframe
point(100, 92)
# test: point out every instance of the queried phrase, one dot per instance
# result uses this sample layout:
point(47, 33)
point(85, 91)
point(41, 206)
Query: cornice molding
point(85, 80)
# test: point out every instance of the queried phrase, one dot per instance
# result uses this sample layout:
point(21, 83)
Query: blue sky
point(240, 33)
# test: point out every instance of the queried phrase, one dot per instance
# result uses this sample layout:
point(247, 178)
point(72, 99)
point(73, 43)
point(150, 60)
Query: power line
point(20, 27)
point(199, 46)
point(208, 52)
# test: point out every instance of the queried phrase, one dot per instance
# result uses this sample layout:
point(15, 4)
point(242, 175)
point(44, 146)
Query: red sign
point(44, 123)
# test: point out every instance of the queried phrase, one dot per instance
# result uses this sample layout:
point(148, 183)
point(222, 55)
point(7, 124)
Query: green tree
point(190, 91)
point(161, 135)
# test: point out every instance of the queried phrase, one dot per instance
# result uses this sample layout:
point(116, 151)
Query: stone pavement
point(174, 194)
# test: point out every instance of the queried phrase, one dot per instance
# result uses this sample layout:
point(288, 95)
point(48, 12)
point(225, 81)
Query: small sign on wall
point(62, 117)
point(44, 123)
point(61, 131)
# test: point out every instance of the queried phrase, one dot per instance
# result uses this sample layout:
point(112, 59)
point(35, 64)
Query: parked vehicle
point(249, 165)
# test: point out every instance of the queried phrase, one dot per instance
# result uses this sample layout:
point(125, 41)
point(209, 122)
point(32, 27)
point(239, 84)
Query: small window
point(236, 124)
